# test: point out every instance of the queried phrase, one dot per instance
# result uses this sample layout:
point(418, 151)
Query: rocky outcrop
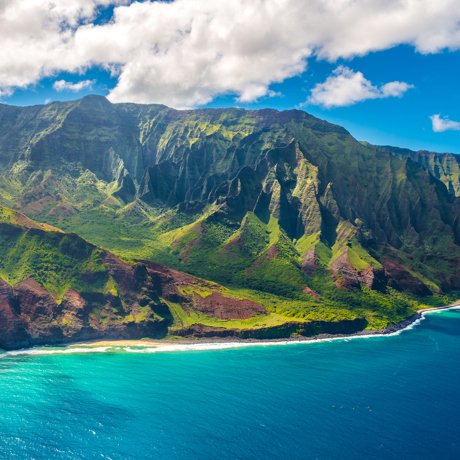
point(373, 278)
point(12, 332)
point(404, 279)
point(306, 329)
point(310, 262)
point(213, 302)
point(29, 316)
point(392, 274)
point(38, 312)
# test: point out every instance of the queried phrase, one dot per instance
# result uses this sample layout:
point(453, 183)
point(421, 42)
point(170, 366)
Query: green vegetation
point(55, 260)
point(280, 208)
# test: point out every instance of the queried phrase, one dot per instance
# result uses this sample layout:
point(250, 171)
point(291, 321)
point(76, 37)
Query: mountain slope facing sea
point(382, 397)
point(306, 230)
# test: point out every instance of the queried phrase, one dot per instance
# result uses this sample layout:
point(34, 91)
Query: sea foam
point(145, 348)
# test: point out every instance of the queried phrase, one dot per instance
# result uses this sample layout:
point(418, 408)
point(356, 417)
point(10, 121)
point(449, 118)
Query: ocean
point(380, 397)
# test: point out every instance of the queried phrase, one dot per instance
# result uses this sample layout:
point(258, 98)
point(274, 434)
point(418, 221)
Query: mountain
point(56, 287)
point(281, 208)
point(443, 166)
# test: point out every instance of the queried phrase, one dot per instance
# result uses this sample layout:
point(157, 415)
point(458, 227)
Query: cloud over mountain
point(444, 124)
point(186, 52)
point(62, 85)
point(346, 87)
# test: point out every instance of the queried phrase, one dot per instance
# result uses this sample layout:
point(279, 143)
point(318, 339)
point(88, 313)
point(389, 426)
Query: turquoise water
point(386, 397)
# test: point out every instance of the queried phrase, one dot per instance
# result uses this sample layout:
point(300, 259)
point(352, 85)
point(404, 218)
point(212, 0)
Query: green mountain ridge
point(443, 166)
point(279, 204)
point(56, 287)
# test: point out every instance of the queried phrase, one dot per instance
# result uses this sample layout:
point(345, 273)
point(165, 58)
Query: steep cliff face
point(56, 287)
point(443, 166)
point(275, 203)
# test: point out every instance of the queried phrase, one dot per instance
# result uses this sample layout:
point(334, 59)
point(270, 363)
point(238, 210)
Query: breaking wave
point(146, 348)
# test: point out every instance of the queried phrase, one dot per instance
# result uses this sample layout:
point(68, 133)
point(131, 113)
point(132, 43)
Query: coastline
point(389, 330)
point(209, 343)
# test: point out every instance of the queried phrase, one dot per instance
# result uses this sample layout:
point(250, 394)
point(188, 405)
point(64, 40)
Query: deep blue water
point(387, 397)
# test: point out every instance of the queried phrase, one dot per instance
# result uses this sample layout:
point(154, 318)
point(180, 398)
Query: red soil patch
point(219, 306)
point(238, 240)
point(271, 253)
point(62, 210)
point(176, 277)
point(342, 266)
point(38, 206)
point(311, 292)
point(309, 264)
point(404, 278)
point(24, 221)
point(186, 250)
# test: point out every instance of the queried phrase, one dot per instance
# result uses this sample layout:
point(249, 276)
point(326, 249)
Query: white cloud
point(271, 93)
point(62, 85)
point(347, 88)
point(47, 100)
point(5, 93)
point(444, 124)
point(186, 52)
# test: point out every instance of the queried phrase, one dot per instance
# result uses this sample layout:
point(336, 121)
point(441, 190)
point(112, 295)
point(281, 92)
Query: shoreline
point(389, 330)
point(156, 345)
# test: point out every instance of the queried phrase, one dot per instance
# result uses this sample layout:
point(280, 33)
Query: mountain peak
point(289, 210)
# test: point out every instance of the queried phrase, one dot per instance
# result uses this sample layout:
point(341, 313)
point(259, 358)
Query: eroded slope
point(288, 210)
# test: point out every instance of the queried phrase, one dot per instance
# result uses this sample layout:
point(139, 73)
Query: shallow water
point(380, 397)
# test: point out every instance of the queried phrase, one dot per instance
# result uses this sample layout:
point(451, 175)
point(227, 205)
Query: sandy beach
point(119, 343)
point(232, 340)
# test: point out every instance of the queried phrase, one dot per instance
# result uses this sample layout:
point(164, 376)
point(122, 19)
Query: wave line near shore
point(139, 346)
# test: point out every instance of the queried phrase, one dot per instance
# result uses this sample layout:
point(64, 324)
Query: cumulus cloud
point(5, 93)
point(347, 88)
point(185, 52)
point(444, 124)
point(62, 85)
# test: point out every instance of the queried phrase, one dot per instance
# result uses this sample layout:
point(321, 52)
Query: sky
point(388, 71)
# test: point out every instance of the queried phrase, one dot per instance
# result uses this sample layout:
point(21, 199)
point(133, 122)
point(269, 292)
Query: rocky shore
point(294, 339)
point(237, 339)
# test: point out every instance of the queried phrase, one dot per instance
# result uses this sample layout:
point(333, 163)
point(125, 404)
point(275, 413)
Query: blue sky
point(384, 92)
point(403, 121)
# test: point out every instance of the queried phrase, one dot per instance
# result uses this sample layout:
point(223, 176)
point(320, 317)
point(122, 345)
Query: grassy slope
point(443, 166)
point(234, 250)
point(55, 260)
point(60, 261)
